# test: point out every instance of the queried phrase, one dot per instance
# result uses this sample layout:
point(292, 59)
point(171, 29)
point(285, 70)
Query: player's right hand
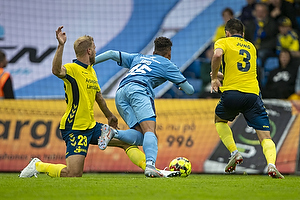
point(61, 36)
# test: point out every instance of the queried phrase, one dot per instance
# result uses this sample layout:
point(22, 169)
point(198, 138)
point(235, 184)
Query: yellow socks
point(269, 150)
point(52, 170)
point(136, 156)
point(226, 136)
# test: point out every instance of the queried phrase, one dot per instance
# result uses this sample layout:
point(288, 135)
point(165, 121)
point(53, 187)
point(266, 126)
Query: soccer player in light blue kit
point(135, 97)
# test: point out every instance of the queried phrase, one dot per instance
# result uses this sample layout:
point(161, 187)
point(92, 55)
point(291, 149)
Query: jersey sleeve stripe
point(75, 93)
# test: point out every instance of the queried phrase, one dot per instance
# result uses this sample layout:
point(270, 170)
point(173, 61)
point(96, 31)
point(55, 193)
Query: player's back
point(239, 65)
point(152, 70)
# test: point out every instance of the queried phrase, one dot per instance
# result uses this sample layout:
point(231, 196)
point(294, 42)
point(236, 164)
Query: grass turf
point(136, 186)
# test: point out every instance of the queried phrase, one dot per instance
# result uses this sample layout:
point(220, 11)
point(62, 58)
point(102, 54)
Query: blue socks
point(130, 136)
point(134, 137)
point(150, 147)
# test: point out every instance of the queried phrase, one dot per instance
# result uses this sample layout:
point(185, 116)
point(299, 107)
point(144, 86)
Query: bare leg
point(74, 167)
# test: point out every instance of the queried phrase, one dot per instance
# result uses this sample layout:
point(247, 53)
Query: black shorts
point(78, 141)
point(233, 102)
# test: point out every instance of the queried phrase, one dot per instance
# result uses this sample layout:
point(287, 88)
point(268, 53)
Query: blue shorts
point(78, 141)
point(250, 105)
point(135, 104)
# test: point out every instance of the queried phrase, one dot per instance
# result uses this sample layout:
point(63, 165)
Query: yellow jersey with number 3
point(238, 64)
point(81, 86)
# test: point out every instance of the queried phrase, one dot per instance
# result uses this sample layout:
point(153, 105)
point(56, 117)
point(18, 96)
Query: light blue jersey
point(146, 72)
point(149, 70)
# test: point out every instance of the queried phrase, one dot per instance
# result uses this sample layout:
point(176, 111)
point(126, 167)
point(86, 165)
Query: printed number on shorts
point(82, 140)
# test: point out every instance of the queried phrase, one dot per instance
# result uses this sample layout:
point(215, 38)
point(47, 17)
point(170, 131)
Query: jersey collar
point(237, 36)
point(80, 63)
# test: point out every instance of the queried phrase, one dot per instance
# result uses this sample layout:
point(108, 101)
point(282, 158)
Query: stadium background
point(29, 124)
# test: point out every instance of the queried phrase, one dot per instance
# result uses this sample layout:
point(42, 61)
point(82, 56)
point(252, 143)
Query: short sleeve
point(220, 44)
point(69, 69)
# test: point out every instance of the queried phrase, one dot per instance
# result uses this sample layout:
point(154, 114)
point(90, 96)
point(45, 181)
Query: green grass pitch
point(137, 186)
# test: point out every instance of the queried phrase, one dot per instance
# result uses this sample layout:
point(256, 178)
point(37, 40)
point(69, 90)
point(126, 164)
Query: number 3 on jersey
point(139, 69)
point(246, 60)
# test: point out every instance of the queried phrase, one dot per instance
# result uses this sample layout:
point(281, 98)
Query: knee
point(74, 173)
point(218, 120)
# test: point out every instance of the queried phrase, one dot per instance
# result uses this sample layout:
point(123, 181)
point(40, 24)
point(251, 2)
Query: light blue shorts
point(135, 104)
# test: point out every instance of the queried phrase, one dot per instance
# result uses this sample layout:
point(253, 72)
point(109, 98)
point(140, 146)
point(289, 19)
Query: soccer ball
point(181, 164)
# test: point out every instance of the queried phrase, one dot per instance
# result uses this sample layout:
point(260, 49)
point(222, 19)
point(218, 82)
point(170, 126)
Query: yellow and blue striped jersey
point(239, 64)
point(81, 86)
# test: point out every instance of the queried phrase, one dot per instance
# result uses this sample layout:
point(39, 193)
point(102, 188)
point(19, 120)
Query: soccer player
point(240, 94)
point(135, 96)
point(78, 126)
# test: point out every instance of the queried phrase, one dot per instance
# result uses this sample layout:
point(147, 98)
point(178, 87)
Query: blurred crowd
point(273, 26)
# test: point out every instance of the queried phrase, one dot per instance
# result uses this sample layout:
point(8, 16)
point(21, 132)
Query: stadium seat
point(298, 20)
point(270, 64)
point(174, 92)
point(193, 71)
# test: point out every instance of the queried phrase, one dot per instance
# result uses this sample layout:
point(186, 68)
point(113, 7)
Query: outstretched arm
point(114, 55)
point(57, 68)
point(112, 120)
point(186, 87)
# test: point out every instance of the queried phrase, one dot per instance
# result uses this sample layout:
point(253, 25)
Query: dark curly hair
point(162, 46)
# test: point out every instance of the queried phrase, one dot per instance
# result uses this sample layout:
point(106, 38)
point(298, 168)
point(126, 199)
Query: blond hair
point(82, 44)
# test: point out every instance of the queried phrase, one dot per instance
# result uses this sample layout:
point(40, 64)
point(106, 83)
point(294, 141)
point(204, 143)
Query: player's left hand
point(220, 76)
